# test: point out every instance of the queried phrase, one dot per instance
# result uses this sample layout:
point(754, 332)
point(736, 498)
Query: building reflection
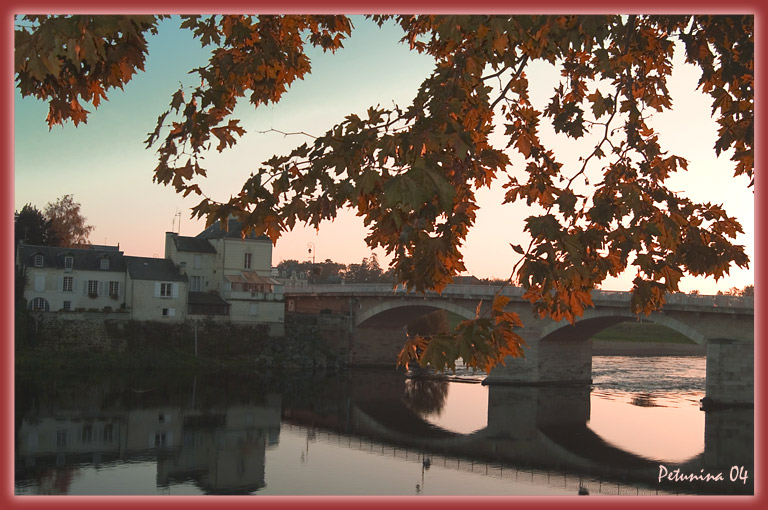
point(220, 451)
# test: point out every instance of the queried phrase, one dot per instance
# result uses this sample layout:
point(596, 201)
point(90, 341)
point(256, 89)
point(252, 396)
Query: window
point(67, 305)
point(114, 288)
point(104, 264)
point(198, 263)
point(108, 433)
point(247, 261)
point(169, 312)
point(68, 284)
point(93, 288)
point(61, 438)
point(38, 261)
point(87, 435)
point(161, 439)
point(196, 283)
point(165, 289)
point(69, 262)
point(38, 305)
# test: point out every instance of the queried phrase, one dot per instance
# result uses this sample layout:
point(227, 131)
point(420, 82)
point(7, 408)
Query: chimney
point(170, 244)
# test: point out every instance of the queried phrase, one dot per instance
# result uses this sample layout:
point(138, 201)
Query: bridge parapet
point(715, 304)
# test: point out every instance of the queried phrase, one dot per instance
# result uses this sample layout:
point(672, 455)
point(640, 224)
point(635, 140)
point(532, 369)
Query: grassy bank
point(646, 332)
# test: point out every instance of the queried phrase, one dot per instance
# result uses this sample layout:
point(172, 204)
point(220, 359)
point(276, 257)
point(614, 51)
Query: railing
point(252, 295)
point(488, 291)
point(542, 477)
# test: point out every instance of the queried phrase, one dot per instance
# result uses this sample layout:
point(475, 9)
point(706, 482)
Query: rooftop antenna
point(178, 225)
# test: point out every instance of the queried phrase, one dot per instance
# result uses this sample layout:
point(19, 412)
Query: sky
point(107, 169)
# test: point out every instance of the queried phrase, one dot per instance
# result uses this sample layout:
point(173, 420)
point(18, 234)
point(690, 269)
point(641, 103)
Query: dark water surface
point(380, 433)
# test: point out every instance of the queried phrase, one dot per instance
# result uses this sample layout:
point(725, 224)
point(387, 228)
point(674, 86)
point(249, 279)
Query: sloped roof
point(251, 277)
point(85, 259)
point(205, 298)
point(147, 268)
point(233, 231)
point(194, 244)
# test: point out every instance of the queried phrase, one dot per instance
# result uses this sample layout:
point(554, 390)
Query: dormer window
point(38, 261)
point(104, 264)
point(69, 262)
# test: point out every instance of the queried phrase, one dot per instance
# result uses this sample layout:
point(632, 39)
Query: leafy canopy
point(411, 171)
point(60, 224)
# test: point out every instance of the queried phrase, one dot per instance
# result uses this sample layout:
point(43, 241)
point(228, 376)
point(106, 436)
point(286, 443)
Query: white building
point(72, 279)
point(230, 276)
point(217, 275)
point(155, 289)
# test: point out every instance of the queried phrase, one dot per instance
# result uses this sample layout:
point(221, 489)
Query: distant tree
point(412, 171)
point(32, 227)
point(67, 222)
point(318, 272)
point(368, 271)
point(748, 290)
point(694, 292)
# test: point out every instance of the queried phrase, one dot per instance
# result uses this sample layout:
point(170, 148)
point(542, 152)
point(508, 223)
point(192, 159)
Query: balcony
point(246, 295)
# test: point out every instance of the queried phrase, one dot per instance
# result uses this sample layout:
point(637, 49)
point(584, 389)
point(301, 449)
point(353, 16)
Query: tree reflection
point(425, 396)
point(644, 400)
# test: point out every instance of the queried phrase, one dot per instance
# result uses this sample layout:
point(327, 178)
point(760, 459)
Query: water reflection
point(255, 434)
point(643, 400)
point(425, 396)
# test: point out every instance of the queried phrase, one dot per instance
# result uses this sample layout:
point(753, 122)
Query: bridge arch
point(593, 321)
point(390, 309)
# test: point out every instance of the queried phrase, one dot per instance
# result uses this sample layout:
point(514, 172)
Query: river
point(380, 432)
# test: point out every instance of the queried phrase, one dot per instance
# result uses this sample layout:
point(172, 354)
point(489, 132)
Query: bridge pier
point(518, 412)
point(730, 373)
point(376, 346)
point(557, 359)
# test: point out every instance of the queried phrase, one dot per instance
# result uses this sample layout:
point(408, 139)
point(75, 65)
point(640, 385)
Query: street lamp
point(311, 251)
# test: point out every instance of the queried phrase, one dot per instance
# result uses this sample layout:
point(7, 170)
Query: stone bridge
point(557, 353)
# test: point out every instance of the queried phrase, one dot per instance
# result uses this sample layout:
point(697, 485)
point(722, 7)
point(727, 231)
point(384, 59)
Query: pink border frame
point(7, 497)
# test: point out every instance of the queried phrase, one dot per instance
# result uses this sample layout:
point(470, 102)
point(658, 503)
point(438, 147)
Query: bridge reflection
point(216, 436)
point(545, 427)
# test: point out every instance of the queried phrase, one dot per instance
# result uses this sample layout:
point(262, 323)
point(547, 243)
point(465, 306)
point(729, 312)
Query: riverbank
point(625, 348)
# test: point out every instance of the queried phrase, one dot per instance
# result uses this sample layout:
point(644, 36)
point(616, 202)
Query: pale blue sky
point(105, 166)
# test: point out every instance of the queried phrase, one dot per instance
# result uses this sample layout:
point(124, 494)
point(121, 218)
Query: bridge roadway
point(374, 319)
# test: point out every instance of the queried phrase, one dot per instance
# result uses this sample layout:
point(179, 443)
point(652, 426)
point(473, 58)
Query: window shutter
point(75, 282)
point(171, 312)
point(101, 290)
point(85, 287)
point(174, 291)
point(157, 289)
point(60, 284)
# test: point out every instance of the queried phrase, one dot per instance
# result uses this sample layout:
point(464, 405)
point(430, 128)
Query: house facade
point(216, 275)
point(230, 275)
point(71, 279)
point(156, 290)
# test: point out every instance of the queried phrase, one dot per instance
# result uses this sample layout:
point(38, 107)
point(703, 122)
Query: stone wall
point(303, 347)
point(92, 331)
point(730, 372)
